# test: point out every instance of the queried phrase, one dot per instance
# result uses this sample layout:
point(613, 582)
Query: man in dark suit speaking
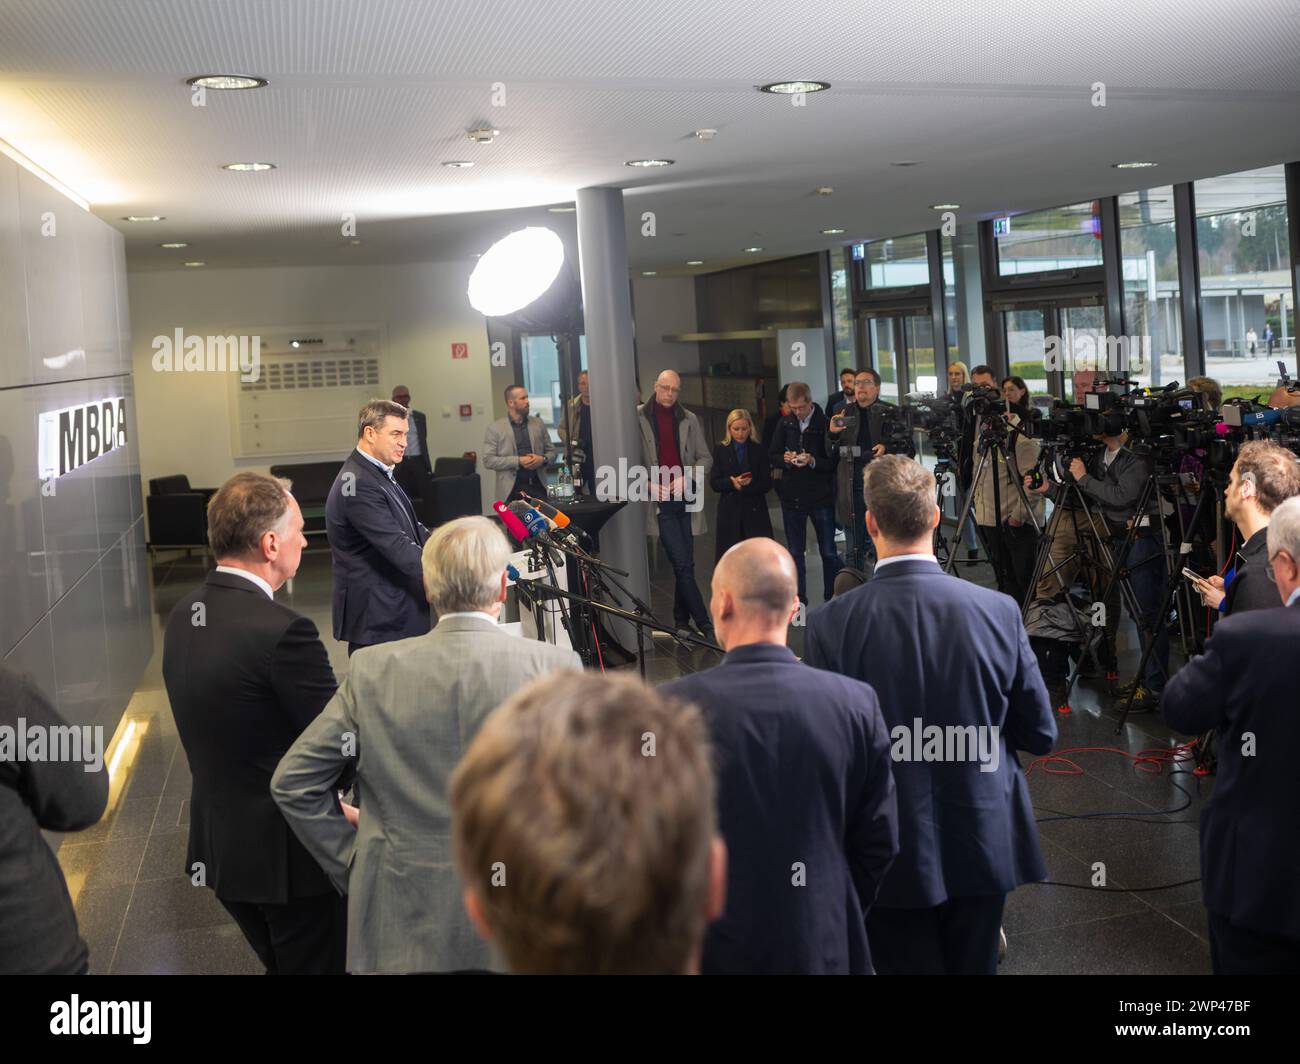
point(961, 692)
point(245, 675)
point(805, 795)
point(375, 538)
point(1244, 686)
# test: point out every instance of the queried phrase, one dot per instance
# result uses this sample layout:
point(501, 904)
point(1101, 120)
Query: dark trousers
point(1147, 576)
point(1240, 951)
point(861, 549)
point(305, 936)
point(959, 937)
point(1013, 552)
point(679, 545)
point(796, 539)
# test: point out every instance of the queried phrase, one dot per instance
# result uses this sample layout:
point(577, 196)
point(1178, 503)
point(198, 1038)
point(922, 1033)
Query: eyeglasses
point(1268, 567)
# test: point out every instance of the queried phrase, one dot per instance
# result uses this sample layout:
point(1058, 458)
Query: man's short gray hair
point(463, 562)
point(796, 390)
point(375, 412)
point(1284, 528)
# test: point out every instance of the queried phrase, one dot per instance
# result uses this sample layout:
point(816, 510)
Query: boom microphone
point(513, 525)
point(561, 519)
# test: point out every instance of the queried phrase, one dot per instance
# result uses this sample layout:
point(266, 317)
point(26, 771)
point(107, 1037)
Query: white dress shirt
point(906, 558)
point(253, 577)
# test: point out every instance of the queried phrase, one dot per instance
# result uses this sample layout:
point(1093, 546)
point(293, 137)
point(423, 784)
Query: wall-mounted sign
point(75, 435)
point(1002, 226)
point(460, 350)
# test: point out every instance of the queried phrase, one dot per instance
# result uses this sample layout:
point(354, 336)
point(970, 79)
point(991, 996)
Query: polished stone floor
point(140, 914)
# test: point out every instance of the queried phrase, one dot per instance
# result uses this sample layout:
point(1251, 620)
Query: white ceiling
point(992, 99)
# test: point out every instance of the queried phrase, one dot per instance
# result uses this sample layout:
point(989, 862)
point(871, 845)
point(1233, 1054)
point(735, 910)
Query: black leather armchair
point(178, 513)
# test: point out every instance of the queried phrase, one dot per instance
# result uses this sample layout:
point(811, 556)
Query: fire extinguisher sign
point(460, 350)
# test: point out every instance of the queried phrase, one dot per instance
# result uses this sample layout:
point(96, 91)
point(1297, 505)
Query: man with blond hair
point(810, 820)
point(584, 830)
point(961, 692)
point(403, 716)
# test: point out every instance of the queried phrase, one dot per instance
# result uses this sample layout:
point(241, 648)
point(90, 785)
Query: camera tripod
point(992, 444)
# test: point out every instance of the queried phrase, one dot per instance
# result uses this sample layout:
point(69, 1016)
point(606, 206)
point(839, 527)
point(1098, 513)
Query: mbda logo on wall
point(75, 435)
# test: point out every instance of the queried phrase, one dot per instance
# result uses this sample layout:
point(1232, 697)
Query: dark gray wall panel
point(54, 326)
point(34, 655)
point(15, 362)
point(22, 540)
point(81, 656)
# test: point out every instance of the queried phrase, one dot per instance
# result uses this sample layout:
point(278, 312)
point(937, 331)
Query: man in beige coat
point(674, 447)
point(402, 718)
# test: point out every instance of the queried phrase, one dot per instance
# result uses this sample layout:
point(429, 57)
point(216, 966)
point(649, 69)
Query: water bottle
point(563, 483)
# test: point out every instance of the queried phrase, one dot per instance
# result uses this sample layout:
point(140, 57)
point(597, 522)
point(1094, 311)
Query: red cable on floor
point(1153, 760)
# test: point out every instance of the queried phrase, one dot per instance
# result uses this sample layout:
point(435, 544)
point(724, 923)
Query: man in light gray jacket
point(402, 718)
point(678, 459)
point(517, 448)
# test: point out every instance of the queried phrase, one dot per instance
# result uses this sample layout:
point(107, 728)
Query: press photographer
point(857, 433)
point(1115, 479)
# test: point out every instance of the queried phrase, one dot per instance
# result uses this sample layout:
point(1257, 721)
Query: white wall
point(185, 424)
point(664, 306)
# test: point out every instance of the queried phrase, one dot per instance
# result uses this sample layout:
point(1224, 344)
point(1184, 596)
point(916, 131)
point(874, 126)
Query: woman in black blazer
point(742, 477)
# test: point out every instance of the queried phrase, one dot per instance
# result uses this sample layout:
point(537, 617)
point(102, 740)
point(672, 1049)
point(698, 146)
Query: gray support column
point(607, 310)
point(1189, 280)
point(1292, 172)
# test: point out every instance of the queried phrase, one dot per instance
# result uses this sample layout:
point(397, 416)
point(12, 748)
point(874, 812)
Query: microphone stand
point(639, 618)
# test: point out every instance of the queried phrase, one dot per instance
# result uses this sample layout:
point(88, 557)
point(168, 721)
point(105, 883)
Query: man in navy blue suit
point(375, 538)
point(1244, 686)
point(805, 795)
point(961, 693)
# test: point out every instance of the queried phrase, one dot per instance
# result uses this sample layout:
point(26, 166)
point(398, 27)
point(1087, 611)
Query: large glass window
point(922, 371)
point(963, 298)
point(1059, 238)
point(1149, 254)
point(1026, 347)
point(846, 355)
point(900, 261)
point(885, 344)
point(1247, 306)
point(541, 360)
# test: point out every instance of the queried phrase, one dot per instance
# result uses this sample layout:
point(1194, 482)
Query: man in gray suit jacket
point(403, 716)
point(517, 448)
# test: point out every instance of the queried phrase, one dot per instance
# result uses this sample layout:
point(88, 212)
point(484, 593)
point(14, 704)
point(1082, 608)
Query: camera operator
point(855, 435)
point(1009, 527)
point(1264, 475)
point(1114, 478)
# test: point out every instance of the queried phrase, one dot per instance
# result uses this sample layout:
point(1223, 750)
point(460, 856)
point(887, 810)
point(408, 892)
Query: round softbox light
point(515, 271)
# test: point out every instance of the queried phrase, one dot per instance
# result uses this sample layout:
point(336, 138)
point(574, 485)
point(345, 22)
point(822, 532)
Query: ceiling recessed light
point(196, 264)
point(824, 190)
point(832, 232)
point(649, 273)
point(706, 134)
point(458, 164)
point(649, 163)
point(248, 168)
point(945, 206)
point(904, 162)
point(176, 245)
point(483, 134)
point(227, 81)
point(694, 262)
point(753, 249)
point(561, 210)
point(143, 218)
point(1140, 165)
point(789, 88)
point(354, 243)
